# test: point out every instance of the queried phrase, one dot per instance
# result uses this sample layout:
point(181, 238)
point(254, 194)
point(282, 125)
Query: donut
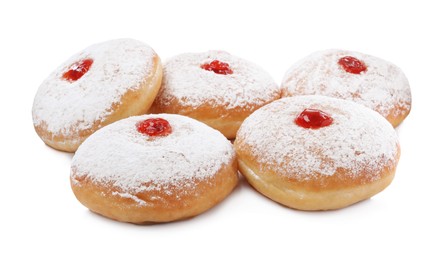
point(153, 168)
point(97, 86)
point(367, 80)
point(214, 87)
point(317, 152)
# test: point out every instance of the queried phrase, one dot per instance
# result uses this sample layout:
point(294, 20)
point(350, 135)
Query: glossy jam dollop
point(218, 67)
point(313, 119)
point(154, 127)
point(77, 70)
point(352, 65)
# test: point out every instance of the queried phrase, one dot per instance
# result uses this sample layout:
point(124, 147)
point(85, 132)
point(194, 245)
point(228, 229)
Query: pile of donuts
point(160, 142)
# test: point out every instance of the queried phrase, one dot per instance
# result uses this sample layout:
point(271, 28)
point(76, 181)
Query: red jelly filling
point(313, 119)
point(154, 127)
point(218, 67)
point(352, 65)
point(77, 70)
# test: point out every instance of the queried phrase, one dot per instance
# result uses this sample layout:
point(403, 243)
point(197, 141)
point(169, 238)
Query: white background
point(40, 217)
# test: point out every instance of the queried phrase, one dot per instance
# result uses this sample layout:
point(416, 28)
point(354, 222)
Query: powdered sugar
point(119, 65)
point(133, 162)
point(186, 81)
point(358, 138)
point(129, 196)
point(382, 87)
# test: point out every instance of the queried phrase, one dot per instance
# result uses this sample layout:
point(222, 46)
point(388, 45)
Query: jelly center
point(313, 119)
point(352, 65)
point(154, 127)
point(77, 70)
point(218, 67)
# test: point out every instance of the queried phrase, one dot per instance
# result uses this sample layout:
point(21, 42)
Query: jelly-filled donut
point(153, 168)
point(100, 85)
point(214, 87)
point(317, 152)
point(367, 80)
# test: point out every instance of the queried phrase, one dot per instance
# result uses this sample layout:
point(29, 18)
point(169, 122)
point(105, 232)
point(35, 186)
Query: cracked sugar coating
point(185, 80)
point(382, 87)
point(359, 139)
point(118, 66)
point(120, 156)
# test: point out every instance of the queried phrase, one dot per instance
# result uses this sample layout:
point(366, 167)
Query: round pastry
point(98, 86)
point(153, 168)
point(214, 87)
point(317, 152)
point(362, 78)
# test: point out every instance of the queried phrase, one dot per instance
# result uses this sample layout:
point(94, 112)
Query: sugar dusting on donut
point(191, 85)
point(121, 156)
point(118, 66)
point(381, 87)
point(358, 138)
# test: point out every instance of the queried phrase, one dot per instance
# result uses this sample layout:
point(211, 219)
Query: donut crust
point(398, 114)
point(132, 103)
point(321, 192)
point(156, 205)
